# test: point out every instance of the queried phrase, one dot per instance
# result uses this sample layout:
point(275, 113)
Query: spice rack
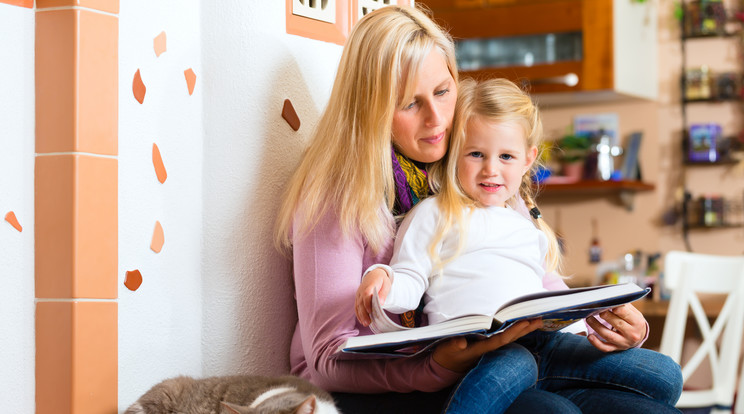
point(704, 144)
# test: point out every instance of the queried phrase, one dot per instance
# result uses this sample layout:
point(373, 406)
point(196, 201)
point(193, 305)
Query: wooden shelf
point(716, 35)
point(712, 100)
point(717, 226)
point(709, 164)
point(594, 187)
point(625, 190)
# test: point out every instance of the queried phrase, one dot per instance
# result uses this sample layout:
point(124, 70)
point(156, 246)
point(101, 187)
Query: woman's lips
point(434, 139)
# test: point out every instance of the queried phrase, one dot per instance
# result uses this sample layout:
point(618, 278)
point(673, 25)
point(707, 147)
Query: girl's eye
point(476, 154)
point(506, 157)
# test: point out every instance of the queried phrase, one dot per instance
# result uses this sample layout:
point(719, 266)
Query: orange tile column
point(76, 213)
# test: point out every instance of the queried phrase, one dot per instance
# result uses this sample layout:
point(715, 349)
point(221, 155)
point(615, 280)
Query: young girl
point(469, 249)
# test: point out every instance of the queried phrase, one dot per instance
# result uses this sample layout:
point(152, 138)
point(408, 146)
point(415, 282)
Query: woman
point(389, 114)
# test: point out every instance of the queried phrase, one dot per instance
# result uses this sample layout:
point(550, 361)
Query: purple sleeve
point(327, 272)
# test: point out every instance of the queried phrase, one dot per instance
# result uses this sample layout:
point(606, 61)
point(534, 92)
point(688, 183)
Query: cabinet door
point(574, 37)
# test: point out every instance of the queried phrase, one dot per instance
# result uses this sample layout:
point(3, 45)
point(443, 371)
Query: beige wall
point(661, 163)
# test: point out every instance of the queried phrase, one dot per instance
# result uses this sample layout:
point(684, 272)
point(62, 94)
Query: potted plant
point(572, 152)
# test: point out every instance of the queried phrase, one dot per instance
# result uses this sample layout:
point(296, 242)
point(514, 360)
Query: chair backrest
point(686, 275)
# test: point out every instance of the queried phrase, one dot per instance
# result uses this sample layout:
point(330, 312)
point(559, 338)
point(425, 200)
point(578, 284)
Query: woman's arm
point(327, 271)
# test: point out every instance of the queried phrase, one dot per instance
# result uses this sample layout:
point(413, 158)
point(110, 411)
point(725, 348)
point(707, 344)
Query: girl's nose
point(490, 167)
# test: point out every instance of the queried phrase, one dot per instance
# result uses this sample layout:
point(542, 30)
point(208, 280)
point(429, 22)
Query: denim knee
point(670, 388)
point(514, 359)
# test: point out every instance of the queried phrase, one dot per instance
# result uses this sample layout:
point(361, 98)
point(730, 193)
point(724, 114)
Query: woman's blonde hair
point(491, 101)
point(347, 166)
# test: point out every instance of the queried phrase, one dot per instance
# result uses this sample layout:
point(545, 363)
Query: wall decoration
point(158, 238)
point(159, 44)
point(138, 87)
point(133, 279)
point(157, 162)
point(289, 115)
point(11, 218)
point(190, 79)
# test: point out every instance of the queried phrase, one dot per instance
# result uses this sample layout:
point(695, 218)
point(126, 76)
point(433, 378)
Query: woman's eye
point(410, 105)
point(441, 92)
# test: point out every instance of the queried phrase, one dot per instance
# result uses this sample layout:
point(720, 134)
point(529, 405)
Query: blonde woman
point(468, 250)
point(388, 117)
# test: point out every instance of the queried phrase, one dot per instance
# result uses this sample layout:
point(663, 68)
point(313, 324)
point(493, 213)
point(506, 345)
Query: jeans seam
point(584, 380)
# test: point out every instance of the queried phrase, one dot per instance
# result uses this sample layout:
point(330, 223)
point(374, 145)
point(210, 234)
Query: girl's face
point(421, 127)
point(493, 161)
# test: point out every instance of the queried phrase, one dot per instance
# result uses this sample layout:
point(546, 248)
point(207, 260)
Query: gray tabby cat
point(240, 394)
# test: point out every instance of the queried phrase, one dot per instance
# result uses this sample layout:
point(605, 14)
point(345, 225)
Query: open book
point(557, 308)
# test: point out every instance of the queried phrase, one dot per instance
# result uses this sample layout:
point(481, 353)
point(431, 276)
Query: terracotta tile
point(53, 357)
point(54, 226)
point(76, 357)
point(110, 6)
point(55, 81)
point(23, 3)
point(76, 227)
point(318, 30)
point(76, 82)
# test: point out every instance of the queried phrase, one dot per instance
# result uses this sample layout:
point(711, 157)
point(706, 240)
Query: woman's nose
point(433, 115)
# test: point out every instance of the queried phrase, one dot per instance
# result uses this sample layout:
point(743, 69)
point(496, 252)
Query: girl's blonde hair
point(347, 166)
point(492, 101)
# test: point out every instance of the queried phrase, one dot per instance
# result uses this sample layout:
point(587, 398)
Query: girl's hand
point(378, 281)
point(459, 355)
point(627, 329)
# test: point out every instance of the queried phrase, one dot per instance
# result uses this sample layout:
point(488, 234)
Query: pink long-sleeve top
point(328, 269)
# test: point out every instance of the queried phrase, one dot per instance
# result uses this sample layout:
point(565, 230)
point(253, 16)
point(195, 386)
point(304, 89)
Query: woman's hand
point(459, 355)
point(376, 280)
point(627, 329)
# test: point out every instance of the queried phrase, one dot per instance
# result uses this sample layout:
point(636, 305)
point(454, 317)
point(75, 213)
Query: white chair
point(686, 275)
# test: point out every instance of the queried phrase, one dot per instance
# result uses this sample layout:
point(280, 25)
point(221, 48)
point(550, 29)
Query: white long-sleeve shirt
point(502, 258)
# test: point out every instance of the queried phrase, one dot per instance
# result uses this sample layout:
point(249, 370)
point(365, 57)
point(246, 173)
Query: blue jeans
point(568, 370)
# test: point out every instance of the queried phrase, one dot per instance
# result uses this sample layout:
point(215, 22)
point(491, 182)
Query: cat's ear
point(234, 408)
point(307, 406)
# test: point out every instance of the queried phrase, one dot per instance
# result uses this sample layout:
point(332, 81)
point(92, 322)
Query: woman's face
point(421, 127)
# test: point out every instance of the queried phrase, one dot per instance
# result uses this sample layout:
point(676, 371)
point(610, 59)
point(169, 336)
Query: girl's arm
point(327, 271)
point(411, 264)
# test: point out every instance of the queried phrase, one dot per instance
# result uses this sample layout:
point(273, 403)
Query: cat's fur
point(240, 394)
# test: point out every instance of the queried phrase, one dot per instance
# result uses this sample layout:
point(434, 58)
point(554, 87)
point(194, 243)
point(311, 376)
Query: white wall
point(17, 195)
point(218, 298)
point(160, 323)
point(251, 66)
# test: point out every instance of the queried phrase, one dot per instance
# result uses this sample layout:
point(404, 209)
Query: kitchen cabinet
point(605, 49)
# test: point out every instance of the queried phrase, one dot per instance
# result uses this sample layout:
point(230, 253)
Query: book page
point(553, 301)
point(380, 320)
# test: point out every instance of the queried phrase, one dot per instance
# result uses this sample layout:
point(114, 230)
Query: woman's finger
point(510, 335)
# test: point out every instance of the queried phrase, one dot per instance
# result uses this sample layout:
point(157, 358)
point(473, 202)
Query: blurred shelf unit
point(704, 144)
point(604, 49)
point(712, 212)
